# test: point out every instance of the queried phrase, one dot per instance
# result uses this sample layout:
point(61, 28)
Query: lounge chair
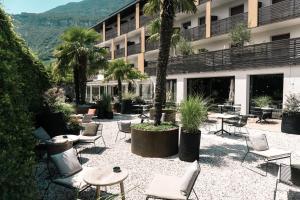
point(288, 175)
point(71, 172)
point(240, 123)
point(172, 187)
point(124, 127)
point(91, 133)
point(257, 144)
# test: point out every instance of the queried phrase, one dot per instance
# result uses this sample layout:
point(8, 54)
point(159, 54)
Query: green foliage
point(23, 80)
point(151, 127)
point(193, 113)
point(292, 103)
point(106, 102)
point(239, 35)
point(79, 55)
point(41, 31)
point(185, 48)
point(262, 101)
point(129, 96)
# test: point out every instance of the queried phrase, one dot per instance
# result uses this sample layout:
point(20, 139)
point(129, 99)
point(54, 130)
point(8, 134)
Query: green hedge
point(23, 80)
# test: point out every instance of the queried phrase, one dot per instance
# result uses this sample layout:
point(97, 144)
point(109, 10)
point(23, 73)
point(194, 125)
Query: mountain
point(41, 31)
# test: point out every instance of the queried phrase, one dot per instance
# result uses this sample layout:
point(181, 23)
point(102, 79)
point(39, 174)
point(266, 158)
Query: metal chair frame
point(266, 159)
point(122, 131)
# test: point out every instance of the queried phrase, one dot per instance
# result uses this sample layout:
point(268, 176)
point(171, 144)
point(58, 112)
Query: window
point(202, 20)
point(276, 1)
point(280, 37)
point(237, 10)
point(186, 25)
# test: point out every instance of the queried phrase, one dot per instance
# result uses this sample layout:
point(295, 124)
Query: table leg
point(122, 190)
point(98, 192)
point(222, 125)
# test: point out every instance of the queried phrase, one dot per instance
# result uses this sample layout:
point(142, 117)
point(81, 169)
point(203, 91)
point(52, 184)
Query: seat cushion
point(273, 153)
point(167, 187)
point(90, 129)
point(67, 162)
point(189, 178)
point(259, 142)
point(83, 138)
point(75, 180)
point(41, 134)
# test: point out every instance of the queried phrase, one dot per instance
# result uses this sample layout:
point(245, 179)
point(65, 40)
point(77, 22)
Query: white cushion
point(41, 134)
point(259, 142)
point(67, 162)
point(273, 153)
point(83, 138)
point(189, 177)
point(76, 180)
point(167, 187)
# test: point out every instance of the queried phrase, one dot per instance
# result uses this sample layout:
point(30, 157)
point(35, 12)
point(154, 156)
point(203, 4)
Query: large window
point(171, 90)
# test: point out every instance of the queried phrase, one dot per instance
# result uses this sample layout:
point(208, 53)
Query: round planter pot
point(158, 144)
point(290, 123)
point(126, 106)
point(169, 117)
point(109, 115)
point(117, 107)
point(189, 146)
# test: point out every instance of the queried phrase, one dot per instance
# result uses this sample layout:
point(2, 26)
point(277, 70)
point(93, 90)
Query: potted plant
point(291, 115)
point(193, 113)
point(105, 107)
point(126, 104)
point(262, 101)
point(148, 140)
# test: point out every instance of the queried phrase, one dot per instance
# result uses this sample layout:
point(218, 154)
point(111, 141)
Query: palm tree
point(78, 54)
point(167, 8)
point(120, 70)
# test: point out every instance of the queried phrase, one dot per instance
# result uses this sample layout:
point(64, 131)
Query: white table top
point(223, 115)
point(72, 138)
point(98, 176)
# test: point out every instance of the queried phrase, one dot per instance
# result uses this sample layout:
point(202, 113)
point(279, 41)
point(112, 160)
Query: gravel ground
point(222, 176)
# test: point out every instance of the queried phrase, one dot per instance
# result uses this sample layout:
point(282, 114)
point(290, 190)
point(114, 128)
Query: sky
point(32, 6)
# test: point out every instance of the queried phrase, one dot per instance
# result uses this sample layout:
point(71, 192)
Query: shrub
point(129, 96)
point(239, 35)
point(193, 113)
point(185, 47)
point(292, 103)
point(54, 95)
point(23, 81)
point(150, 127)
point(66, 108)
point(105, 103)
point(262, 101)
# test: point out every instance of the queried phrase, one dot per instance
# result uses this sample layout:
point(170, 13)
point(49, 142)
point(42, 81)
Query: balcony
point(278, 53)
point(112, 33)
point(195, 33)
point(134, 49)
point(280, 11)
point(108, 55)
point(152, 45)
point(127, 26)
point(119, 53)
point(224, 26)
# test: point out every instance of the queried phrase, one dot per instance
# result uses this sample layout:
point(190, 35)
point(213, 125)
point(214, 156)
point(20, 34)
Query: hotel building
point(268, 65)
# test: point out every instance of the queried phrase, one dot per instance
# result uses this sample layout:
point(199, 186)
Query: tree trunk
point(120, 90)
point(76, 83)
point(83, 79)
point(167, 18)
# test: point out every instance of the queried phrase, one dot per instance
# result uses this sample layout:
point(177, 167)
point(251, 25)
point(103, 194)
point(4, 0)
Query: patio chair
point(70, 172)
point(172, 187)
point(124, 127)
point(86, 119)
point(240, 123)
point(92, 111)
point(41, 135)
point(257, 144)
point(288, 175)
point(91, 133)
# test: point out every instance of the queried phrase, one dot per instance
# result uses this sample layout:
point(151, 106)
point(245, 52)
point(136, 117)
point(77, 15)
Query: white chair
point(257, 144)
point(91, 133)
point(172, 187)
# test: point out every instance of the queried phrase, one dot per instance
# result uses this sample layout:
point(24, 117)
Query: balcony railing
point(111, 34)
point(128, 26)
point(195, 33)
point(203, 1)
point(134, 49)
point(277, 53)
point(225, 25)
point(152, 45)
point(280, 11)
point(119, 53)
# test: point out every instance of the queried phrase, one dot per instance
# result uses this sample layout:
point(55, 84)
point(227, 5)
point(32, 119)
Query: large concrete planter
point(290, 123)
point(158, 144)
point(189, 147)
point(169, 117)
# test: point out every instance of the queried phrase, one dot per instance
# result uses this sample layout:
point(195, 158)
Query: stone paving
point(222, 176)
